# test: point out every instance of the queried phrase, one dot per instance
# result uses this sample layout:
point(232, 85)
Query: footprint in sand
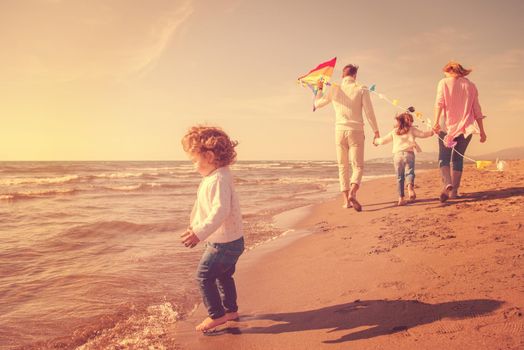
point(505, 327)
point(512, 312)
point(395, 259)
point(399, 285)
point(445, 327)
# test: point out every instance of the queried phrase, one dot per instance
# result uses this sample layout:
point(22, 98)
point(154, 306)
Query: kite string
point(384, 97)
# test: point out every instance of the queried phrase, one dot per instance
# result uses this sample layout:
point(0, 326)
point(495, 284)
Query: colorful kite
point(322, 72)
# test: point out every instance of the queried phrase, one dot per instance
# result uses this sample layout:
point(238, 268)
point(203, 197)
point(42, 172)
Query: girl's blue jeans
point(404, 163)
point(215, 277)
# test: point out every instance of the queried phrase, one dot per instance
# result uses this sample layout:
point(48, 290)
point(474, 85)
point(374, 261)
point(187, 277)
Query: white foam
point(38, 180)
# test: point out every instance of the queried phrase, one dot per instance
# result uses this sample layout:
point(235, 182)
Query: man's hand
point(483, 137)
point(436, 128)
point(189, 239)
point(376, 136)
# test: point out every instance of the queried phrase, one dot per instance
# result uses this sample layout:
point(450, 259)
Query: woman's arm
point(436, 125)
point(478, 116)
point(483, 136)
point(439, 106)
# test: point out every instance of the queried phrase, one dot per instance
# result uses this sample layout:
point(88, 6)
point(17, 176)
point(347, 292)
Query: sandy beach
point(425, 276)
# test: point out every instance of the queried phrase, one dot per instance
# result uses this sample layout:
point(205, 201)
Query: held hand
point(189, 239)
point(483, 137)
point(376, 136)
point(320, 85)
point(436, 128)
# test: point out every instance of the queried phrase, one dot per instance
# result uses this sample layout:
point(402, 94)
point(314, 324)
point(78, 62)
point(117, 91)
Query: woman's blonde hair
point(456, 68)
point(404, 123)
point(200, 139)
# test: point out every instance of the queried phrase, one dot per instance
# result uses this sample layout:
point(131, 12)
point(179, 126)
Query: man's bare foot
point(210, 323)
point(346, 205)
point(356, 205)
point(232, 316)
point(401, 202)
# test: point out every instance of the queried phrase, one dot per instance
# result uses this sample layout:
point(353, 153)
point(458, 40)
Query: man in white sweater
point(349, 99)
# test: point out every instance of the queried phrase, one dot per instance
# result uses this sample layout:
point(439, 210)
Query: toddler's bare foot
point(232, 316)
point(210, 323)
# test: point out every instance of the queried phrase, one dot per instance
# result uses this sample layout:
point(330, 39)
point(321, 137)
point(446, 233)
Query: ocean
point(90, 251)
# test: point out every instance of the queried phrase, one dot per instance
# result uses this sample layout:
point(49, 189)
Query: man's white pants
point(350, 145)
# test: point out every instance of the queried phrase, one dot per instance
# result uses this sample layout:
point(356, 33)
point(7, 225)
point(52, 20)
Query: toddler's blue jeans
point(215, 277)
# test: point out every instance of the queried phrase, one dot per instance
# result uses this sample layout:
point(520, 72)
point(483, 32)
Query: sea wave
point(39, 180)
point(249, 166)
point(294, 180)
point(44, 193)
point(109, 228)
point(145, 330)
point(36, 194)
point(119, 175)
point(142, 186)
point(128, 327)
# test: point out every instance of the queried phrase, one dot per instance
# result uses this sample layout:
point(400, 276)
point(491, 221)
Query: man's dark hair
point(353, 69)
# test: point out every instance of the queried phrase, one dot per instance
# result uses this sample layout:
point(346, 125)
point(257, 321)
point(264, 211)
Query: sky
point(124, 79)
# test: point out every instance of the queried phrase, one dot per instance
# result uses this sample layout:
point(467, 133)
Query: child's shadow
point(381, 316)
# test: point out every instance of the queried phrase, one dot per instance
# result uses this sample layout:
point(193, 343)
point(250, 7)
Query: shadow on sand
point(467, 198)
point(379, 316)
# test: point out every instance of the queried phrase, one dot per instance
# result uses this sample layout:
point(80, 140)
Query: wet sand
point(424, 276)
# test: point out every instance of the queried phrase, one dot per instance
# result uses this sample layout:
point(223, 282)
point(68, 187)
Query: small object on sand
point(482, 164)
point(501, 165)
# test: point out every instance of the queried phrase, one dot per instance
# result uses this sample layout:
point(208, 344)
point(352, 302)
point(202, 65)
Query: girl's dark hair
point(404, 123)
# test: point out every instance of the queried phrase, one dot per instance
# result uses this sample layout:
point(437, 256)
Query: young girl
point(216, 219)
point(403, 137)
